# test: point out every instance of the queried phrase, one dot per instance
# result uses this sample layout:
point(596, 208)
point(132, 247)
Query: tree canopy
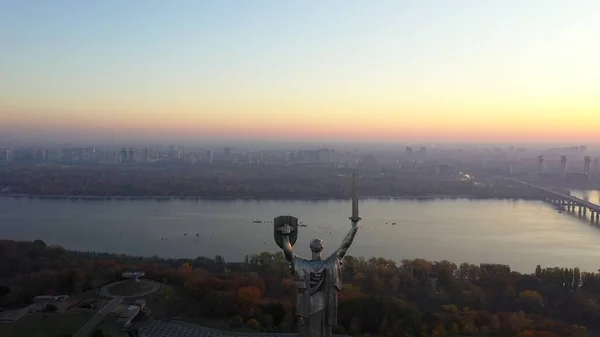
point(380, 297)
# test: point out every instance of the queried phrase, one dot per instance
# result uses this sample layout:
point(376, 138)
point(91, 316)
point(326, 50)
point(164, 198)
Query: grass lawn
point(168, 302)
point(84, 295)
point(45, 325)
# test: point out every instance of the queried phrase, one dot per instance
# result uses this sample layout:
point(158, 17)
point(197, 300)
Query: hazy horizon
point(384, 72)
point(266, 144)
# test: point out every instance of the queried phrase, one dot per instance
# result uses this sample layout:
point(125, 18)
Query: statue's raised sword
point(288, 225)
point(355, 218)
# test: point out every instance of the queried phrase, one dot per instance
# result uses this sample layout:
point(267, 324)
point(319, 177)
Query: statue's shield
point(278, 222)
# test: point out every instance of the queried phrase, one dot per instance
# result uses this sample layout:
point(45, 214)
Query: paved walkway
point(105, 291)
point(157, 328)
point(86, 330)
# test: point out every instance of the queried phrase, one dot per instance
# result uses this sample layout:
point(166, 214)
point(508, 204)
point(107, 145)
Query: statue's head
point(316, 245)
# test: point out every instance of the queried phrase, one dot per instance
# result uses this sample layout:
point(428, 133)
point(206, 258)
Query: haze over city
point(299, 168)
point(385, 71)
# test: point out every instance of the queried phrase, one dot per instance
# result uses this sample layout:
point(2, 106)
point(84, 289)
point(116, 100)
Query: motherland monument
point(317, 280)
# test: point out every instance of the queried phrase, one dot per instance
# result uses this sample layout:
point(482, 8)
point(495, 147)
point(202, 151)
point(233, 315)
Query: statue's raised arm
point(288, 250)
point(354, 219)
point(341, 252)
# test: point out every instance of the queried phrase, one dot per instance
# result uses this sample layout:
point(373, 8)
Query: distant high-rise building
point(147, 154)
point(131, 155)
point(327, 156)
point(41, 155)
point(369, 161)
point(79, 155)
point(88, 154)
point(4, 156)
point(408, 151)
point(227, 151)
point(541, 166)
point(209, 156)
point(587, 166)
point(126, 155)
point(443, 169)
point(53, 154)
point(563, 166)
point(567, 150)
point(422, 150)
point(596, 165)
point(112, 156)
point(123, 155)
point(582, 148)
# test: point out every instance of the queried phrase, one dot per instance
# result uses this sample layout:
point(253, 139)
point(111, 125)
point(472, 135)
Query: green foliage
point(238, 321)
point(254, 324)
point(577, 331)
point(98, 333)
point(339, 330)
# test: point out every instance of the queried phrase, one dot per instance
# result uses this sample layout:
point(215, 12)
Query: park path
point(87, 328)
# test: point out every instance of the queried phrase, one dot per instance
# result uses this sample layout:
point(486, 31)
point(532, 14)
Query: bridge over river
point(565, 201)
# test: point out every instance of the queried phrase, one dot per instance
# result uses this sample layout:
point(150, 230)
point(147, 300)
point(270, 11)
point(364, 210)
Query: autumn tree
point(531, 301)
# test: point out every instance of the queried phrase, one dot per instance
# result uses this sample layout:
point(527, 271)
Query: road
point(87, 328)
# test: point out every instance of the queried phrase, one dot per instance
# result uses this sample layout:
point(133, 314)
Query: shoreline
point(238, 262)
point(174, 198)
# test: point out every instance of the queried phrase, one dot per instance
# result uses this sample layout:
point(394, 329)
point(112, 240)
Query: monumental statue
point(317, 280)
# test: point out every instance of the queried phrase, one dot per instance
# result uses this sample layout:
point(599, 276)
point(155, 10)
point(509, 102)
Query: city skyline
point(390, 71)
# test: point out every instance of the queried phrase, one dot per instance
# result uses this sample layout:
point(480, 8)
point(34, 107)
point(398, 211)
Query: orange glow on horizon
point(446, 119)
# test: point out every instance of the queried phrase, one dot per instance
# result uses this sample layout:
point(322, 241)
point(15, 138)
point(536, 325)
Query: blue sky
point(208, 62)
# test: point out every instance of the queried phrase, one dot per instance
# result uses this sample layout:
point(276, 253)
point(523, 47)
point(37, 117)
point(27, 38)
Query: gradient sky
point(373, 70)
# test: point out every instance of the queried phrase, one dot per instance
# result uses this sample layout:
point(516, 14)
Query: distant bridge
point(568, 202)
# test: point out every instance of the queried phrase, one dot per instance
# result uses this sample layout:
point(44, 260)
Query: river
point(519, 233)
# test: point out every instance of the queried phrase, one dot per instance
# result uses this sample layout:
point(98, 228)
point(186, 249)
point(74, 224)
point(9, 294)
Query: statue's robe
point(318, 283)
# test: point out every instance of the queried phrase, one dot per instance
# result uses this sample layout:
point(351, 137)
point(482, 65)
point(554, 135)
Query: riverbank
point(168, 198)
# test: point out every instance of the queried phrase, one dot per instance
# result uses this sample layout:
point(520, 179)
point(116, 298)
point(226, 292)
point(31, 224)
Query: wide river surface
point(519, 233)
